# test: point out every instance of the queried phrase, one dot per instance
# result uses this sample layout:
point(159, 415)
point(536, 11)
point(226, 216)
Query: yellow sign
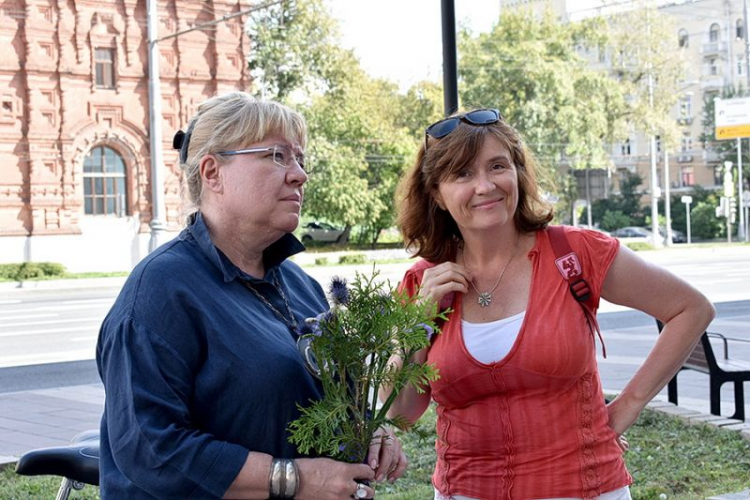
point(732, 117)
point(732, 132)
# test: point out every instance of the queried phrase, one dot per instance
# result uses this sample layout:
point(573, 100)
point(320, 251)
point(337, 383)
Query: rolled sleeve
point(152, 440)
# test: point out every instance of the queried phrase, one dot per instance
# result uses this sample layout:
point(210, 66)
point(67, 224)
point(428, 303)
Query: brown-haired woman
point(520, 409)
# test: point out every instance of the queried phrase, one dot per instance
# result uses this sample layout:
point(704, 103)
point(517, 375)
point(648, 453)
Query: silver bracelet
point(283, 480)
point(274, 478)
point(292, 479)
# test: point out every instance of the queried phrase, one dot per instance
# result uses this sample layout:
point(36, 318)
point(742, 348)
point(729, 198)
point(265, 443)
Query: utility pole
point(654, 175)
point(741, 234)
point(667, 202)
point(158, 226)
point(450, 65)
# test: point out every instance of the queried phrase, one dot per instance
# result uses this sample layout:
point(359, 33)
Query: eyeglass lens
point(285, 157)
point(477, 117)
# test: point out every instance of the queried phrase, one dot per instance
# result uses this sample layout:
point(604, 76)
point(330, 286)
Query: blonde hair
point(233, 121)
point(430, 230)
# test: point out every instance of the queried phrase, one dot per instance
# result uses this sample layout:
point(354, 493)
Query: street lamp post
point(687, 200)
point(158, 227)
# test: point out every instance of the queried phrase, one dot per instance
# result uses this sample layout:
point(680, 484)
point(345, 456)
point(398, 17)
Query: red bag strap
point(570, 268)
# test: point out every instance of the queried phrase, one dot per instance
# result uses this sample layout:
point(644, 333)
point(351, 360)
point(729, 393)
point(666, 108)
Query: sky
point(401, 40)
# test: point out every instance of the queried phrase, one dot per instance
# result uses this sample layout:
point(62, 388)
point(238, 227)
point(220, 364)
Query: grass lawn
point(668, 459)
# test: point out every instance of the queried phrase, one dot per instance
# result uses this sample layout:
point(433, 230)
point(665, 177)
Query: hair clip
point(179, 138)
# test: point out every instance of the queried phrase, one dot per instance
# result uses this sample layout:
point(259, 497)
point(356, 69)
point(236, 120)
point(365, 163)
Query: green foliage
point(612, 220)
point(531, 68)
point(638, 246)
point(31, 270)
point(293, 48)
point(628, 203)
point(353, 345)
point(15, 487)
point(321, 261)
point(354, 258)
point(705, 224)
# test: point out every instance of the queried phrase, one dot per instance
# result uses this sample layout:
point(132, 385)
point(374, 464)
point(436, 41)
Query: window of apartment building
point(683, 39)
point(687, 177)
point(740, 66)
point(104, 60)
point(686, 144)
point(713, 68)
point(718, 175)
point(625, 148)
point(104, 188)
point(713, 33)
point(740, 29)
point(658, 144)
point(686, 106)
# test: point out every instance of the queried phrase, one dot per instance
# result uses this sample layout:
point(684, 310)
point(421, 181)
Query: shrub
point(638, 246)
point(30, 270)
point(321, 261)
point(354, 258)
point(52, 268)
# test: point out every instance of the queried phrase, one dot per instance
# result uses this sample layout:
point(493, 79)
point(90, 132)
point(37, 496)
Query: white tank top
point(491, 342)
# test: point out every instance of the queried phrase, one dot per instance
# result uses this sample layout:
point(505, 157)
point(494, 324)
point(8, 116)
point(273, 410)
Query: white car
point(320, 231)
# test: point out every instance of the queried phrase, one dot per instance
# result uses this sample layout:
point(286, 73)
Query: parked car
point(633, 234)
point(320, 231)
point(586, 226)
point(677, 236)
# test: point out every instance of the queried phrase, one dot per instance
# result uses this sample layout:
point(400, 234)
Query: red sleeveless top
point(534, 424)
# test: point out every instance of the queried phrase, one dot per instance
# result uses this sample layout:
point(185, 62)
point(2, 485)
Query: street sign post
point(687, 200)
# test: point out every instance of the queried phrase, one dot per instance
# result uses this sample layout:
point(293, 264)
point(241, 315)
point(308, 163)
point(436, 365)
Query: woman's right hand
point(445, 278)
point(326, 479)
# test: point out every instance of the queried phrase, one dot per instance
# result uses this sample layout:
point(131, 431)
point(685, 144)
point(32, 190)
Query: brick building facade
point(74, 120)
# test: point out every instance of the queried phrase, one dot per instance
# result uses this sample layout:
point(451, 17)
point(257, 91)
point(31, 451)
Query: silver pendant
point(484, 299)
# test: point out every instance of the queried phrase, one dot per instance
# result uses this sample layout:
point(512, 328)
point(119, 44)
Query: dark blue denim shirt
point(198, 371)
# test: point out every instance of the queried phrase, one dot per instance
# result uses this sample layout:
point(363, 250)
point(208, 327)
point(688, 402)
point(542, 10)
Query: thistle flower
point(339, 291)
point(429, 332)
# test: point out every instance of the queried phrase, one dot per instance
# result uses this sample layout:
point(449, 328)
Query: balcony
point(684, 158)
point(714, 49)
point(712, 82)
point(685, 120)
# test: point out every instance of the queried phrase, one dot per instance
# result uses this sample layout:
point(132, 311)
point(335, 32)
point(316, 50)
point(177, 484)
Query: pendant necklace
point(291, 321)
point(484, 299)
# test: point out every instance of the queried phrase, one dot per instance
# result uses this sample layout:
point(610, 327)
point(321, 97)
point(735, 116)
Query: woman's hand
point(621, 416)
point(386, 457)
point(445, 278)
point(326, 479)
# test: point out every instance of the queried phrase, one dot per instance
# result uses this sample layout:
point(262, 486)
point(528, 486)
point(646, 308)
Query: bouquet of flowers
point(349, 348)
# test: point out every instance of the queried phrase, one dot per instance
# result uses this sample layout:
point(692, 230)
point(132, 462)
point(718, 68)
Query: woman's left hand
point(386, 457)
point(621, 416)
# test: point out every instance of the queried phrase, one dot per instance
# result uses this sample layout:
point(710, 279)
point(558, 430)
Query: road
point(48, 337)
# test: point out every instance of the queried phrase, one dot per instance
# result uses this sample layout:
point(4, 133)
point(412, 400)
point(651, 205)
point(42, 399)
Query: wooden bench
point(721, 370)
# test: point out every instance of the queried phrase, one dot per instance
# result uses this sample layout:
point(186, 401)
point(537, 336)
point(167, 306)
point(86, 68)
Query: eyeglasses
point(283, 156)
point(448, 125)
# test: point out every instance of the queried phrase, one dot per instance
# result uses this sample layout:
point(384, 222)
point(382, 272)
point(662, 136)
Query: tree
point(534, 71)
point(293, 48)
point(627, 203)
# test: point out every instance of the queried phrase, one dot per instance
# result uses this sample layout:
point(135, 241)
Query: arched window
point(713, 33)
point(682, 39)
point(104, 188)
point(740, 31)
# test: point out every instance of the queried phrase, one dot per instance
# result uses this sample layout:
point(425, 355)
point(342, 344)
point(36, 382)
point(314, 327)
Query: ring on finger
point(360, 492)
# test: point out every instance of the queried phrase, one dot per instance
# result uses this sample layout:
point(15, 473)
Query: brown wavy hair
point(431, 231)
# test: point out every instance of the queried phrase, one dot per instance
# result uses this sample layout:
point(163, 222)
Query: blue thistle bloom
point(339, 291)
point(429, 332)
point(305, 327)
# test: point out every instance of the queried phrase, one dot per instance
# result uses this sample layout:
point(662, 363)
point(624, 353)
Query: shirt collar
point(276, 253)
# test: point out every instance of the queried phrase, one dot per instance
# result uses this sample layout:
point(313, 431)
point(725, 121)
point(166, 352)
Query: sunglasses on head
point(448, 125)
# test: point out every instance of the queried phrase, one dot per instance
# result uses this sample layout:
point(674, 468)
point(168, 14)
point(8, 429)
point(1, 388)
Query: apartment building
point(75, 164)
point(709, 34)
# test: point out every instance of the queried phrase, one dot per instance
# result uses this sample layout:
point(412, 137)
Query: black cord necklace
point(291, 321)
